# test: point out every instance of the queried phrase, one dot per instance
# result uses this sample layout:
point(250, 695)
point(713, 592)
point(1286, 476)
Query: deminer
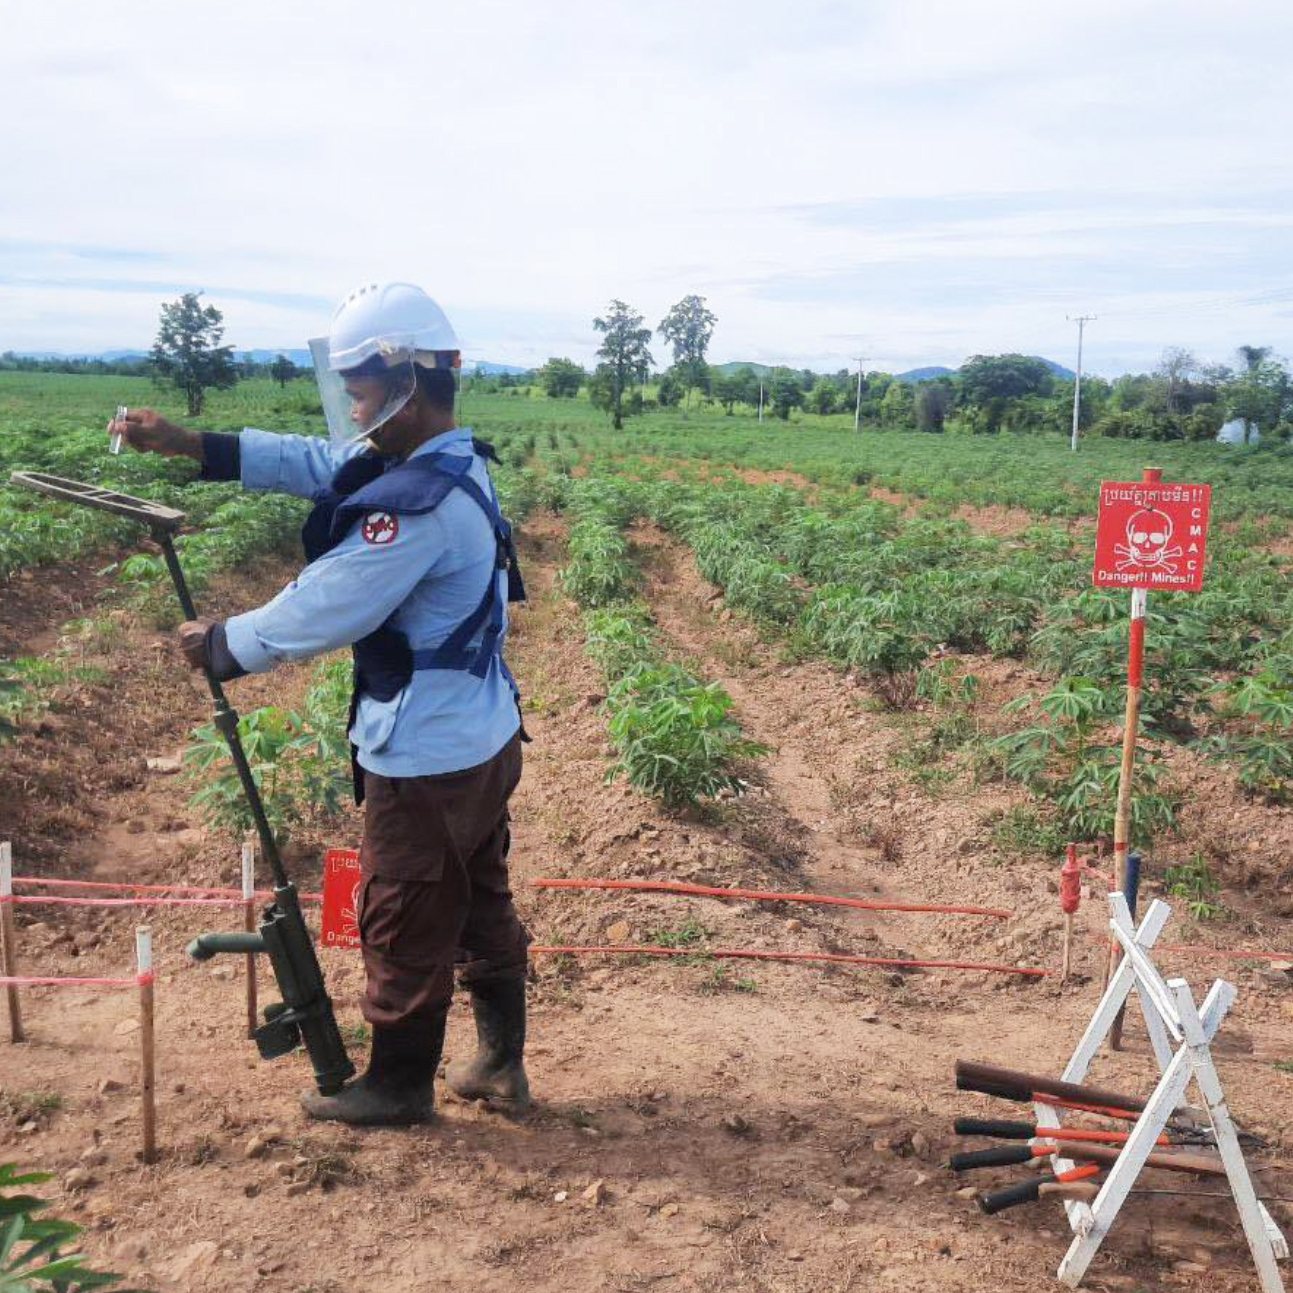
point(411, 564)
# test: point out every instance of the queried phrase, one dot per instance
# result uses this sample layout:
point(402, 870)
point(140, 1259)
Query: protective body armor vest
point(384, 660)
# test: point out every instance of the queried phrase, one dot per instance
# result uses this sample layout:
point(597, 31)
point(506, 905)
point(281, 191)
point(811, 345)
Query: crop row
point(675, 734)
point(866, 589)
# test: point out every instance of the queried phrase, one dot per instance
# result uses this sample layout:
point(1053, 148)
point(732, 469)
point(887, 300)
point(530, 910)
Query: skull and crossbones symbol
point(1149, 536)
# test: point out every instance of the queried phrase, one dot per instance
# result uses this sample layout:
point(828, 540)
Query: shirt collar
point(458, 437)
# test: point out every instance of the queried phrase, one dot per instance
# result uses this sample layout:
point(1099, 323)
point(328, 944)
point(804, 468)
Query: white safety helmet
point(395, 320)
point(381, 330)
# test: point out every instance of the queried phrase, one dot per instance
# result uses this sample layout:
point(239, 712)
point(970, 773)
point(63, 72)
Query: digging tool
point(305, 1015)
point(1001, 1156)
point(1012, 1085)
point(1004, 1129)
point(1001, 1129)
point(1010, 1155)
point(1030, 1088)
point(1199, 1164)
point(1031, 1191)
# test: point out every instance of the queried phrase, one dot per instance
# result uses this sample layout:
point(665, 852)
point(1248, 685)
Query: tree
point(283, 370)
point(188, 352)
point(561, 378)
point(1174, 371)
point(746, 384)
point(898, 407)
point(725, 388)
point(1260, 394)
point(824, 396)
point(669, 394)
point(687, 328)
point(987, 383)
point(625, 358)
point(787, 392)
point(933, 403)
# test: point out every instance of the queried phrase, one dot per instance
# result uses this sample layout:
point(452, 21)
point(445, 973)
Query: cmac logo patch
point(380, 528)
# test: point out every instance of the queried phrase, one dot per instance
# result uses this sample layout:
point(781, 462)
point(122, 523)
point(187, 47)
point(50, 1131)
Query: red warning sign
point(1152, 536)
point(341, 886)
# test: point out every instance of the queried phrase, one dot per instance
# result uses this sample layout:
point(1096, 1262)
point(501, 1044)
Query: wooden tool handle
point(1200, 1164)
point(1079, 1191)
point(1001, 1080)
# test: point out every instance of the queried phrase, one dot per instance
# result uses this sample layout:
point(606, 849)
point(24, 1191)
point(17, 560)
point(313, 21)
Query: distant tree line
point(11, 362)
point(1180, 399)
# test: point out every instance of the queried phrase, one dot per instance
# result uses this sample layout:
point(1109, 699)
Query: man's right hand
point(149, 432)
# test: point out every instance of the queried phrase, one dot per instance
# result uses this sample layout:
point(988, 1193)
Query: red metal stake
point(1070, 900)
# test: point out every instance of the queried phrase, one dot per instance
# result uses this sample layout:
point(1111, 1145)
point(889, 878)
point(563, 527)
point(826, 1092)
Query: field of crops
point(838, 546)
point(787, 522)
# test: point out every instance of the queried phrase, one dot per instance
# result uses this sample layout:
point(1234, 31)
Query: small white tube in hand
point(114, 441)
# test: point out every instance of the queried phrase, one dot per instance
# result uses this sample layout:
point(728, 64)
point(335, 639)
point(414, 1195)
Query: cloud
point(932, 177)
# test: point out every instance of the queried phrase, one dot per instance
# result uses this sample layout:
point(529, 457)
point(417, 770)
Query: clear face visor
point(359, 403)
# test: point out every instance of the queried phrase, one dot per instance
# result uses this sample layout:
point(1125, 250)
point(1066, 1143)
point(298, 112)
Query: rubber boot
point(397, 1089)
point(496, 1074)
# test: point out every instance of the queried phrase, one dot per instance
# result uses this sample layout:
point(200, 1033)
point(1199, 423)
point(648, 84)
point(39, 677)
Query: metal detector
point(305, 1013)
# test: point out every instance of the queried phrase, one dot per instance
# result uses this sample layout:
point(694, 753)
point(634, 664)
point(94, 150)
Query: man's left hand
point(193, 642)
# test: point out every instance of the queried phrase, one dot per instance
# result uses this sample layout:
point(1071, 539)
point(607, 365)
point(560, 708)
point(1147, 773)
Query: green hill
point(759, 370)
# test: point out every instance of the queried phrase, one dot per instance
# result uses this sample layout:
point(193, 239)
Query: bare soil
point(782, 1128)
point(35, 603)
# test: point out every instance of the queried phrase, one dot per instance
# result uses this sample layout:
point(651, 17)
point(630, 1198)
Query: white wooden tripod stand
point(1172, 1020)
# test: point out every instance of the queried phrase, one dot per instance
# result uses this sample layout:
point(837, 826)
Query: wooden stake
point(147, 1076)
point(249, 923)
point(1068, 947)
point(8, 944)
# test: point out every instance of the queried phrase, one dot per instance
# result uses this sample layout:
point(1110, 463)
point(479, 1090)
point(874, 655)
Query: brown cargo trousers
point(435, 893)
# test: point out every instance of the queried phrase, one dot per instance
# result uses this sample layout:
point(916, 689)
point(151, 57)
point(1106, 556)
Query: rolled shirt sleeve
point(344, 595)
point(290, 464)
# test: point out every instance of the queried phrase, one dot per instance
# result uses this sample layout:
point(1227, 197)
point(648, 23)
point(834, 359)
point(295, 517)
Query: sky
point(910, 181)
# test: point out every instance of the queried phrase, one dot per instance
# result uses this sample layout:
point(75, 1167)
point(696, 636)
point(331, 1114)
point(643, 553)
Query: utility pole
point(1082, 320)
point(857, 406)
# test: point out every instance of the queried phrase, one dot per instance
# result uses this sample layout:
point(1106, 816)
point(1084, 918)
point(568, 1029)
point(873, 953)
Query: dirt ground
point(700, 1126)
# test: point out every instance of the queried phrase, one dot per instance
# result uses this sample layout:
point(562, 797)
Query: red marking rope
point(137, 981)
point(46, 882)
point(759, 895)
point(744, 954)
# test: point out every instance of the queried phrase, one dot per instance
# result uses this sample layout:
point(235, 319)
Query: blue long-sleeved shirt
point(430, 572)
